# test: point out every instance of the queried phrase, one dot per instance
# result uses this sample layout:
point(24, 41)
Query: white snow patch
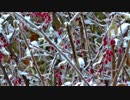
point(1, 20)
point(4, 51)
point(123, 28)
point(67, 83)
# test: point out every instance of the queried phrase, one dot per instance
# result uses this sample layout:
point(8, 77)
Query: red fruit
point(19, 80)
point(107, 52)
point(106, 61)
point(2, 38)
point(6, 44)
point(88, 80)
point(61, 67)
point(68, 66)
point(60, 73)
point(78, 41)
point(77, 19)
point(112, 42)
point(52, 48)
point(66, 47)
point(60, 32)
point(111, 52)
point(120, 50)
point(105, 38)
point(57, 75)
point(109, 58)
point(100, 70)
point(1, 57)
point(57, 70)
point(91, 71)
point(59, 81)
point(104, 43)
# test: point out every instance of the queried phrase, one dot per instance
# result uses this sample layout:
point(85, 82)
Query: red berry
point(2, 38)
point(57, 70)
point(112, 42)
point(100, 70)
point(60, 73)
point(68, 66)
point(1, 57)
point(107, 52)
point(52, 48)
point(60, 32)
point(106, 61)
point(78, 41)
point(59, 81)
point(88, 80)
point(111, 52)
point(57, 75)
point(19, 80)
point(66, 47)
point(104, 43)
point(91, 71)
point(61, 67)
point(109, 58)
point(104, 38)
point(120, 51)
point(77, 19)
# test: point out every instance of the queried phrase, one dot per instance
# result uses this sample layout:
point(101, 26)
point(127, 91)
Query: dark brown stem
point(42, 34)
point(113, 61)
point(5, 74)
point(121, 65)
point(72, 46)
point(32, 57)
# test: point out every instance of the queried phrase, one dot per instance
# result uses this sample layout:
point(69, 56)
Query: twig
point(5, 74)
point(32, 57)
point(127, 74)
point(42, 34)
point(113, 61)
point(121, 64)
point(72, 46)
point(75, 16)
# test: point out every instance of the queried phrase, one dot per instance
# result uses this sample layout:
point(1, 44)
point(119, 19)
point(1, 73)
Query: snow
point(9, 36)
point(128, 83)
point(124, 28)
point(81, 62)
point(4, 51)
point(1, 20)
point(67, 83)
point(5, 16)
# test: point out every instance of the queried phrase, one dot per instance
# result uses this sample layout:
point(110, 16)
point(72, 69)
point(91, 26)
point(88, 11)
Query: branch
point(75, 16)
point(121, 64)
point(42, 34)
point(5, 74)
point(32, 57)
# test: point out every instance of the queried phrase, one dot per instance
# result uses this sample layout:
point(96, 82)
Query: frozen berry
point(112, 42)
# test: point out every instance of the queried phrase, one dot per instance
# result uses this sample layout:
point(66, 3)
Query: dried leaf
point(113, 29)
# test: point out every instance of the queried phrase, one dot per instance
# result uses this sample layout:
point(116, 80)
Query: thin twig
point(121, 64)
point(5, 75)
point(113, 61)
point(75, 16)
point(42, 34)
point(32, 57)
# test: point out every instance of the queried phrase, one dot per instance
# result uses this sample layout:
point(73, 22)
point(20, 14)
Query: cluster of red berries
point(58, 75)
point(108, 55)
point(41, 16)
point(16, 81)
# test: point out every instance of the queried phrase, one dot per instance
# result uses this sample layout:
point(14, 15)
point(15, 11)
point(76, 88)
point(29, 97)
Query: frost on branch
point(64, 49)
